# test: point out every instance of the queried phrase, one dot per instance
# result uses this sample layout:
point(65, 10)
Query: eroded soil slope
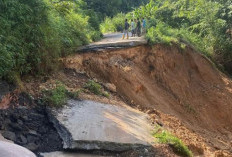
point(190, 96)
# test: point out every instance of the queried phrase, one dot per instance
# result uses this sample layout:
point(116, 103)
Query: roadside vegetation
point(201, 23)
point(175, 143)
point(113, 24)
point(96, 88)
point(35, 34)
point(58, 96)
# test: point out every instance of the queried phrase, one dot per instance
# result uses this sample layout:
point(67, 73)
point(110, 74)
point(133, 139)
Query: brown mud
point(180, 88)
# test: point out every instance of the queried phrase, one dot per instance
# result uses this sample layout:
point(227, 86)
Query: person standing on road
point(133, 28)
point(138, 27)
point(144, 25)
point(126, 30)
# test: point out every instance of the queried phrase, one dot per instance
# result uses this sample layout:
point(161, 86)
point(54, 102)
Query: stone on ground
point(90, 125)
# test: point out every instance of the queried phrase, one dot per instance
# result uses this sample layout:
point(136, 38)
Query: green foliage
point(176, 144)
point(74, 95)
point(202, 23)
point(96, 88)
point(110, 8)
point(56, 97)
point(106, 94)
point(35, 33)
point(114, 24)
point(162, 33)
point(93, 87)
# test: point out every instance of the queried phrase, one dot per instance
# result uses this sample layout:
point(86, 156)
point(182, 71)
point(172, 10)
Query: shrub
point(35, 33)
point(201, 23)
point(177, 145)
point(93, 87)
point(114, 24)
point(56, 97)
point(96, 88)
point(162, 34)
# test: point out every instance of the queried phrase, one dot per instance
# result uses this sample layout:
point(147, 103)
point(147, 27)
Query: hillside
point(180, 87)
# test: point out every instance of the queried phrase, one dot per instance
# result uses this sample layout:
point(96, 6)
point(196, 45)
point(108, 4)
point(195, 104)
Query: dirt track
point(190, 96)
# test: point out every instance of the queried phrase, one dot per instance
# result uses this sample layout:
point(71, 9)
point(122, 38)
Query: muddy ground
point(25, 121)
point(180, 88)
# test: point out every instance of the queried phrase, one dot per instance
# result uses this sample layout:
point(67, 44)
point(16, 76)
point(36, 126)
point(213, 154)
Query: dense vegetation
point(175, 143)
point(201, 23)
point(33, 34)
point(113, 7)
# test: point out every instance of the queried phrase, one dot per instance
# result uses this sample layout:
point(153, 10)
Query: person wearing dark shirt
point(126, 30)
point(138, 28)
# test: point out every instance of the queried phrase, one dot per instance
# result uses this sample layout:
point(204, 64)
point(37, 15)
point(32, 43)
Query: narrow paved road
point(113, 41)
point(117, 38)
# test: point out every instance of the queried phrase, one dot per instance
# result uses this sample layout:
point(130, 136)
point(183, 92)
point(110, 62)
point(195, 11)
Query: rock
point(16, 126)
point(22, 140)
point(24, 118)
point(32, 132)
point(9, 135)
point(12, 150)
point(32, 146)
point(111, 87)
point(159, 123)
point(42, 130)
point(32, 138)
point(30, 125)
point(20, 122)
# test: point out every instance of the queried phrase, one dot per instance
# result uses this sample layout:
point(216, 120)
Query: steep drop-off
point(192, 98)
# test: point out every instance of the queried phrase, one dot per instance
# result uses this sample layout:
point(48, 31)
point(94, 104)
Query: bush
point(93, 87)
point(114, 24)
point(56, 97)
point(201, 23)
point(162, 34)
point(35, 33)
point(96, 88)
point(177, 145)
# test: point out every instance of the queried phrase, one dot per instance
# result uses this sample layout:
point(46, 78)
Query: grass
point(93, 87)
point(176, 144)
point(58, 96)
point(96, 88)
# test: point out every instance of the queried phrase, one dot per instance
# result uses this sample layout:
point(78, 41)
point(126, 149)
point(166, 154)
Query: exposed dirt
point(29, 126)
point(26, 123)
point(179, 88)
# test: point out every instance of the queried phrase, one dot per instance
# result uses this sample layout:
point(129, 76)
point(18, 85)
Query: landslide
point(179, 87)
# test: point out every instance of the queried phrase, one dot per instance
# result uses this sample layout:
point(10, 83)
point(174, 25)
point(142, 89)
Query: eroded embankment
point(29, 126)
point(189, 95)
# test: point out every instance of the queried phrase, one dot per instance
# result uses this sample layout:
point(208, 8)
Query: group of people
point(137, 28)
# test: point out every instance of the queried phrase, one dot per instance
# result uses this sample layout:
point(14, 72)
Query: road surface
point(113, 41)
